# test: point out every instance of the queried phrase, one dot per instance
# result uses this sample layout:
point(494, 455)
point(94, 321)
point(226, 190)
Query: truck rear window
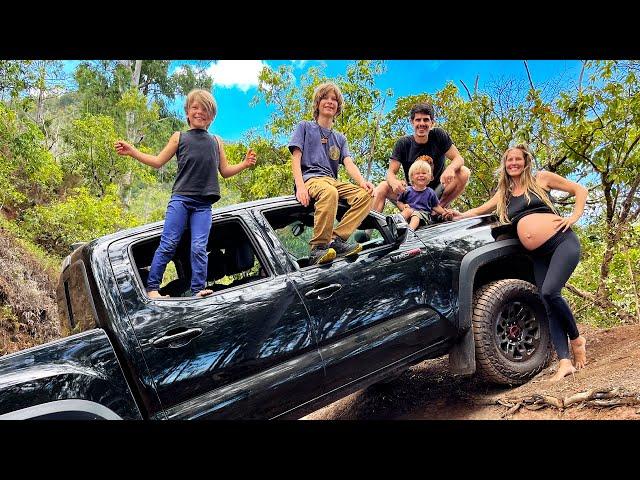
point(74, 300)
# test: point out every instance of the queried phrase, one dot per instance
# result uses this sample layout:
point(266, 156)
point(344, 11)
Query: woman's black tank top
point(518, 208)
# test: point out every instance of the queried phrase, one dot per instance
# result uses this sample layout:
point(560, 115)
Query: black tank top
point(517, 207)
point(198, 161)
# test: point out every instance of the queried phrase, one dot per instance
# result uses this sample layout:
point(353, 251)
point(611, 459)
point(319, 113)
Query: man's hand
point(447, 176)
point(397, 186)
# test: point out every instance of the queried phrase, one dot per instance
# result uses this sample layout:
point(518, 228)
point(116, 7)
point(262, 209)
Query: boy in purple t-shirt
point(317, 151)
point(418, 201)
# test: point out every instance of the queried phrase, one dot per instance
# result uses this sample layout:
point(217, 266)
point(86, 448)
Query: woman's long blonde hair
point(505, 184)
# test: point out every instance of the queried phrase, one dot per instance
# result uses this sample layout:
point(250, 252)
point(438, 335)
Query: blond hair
point(321, 92)
point(528, 181)
point(419, 166)
point(205, 99)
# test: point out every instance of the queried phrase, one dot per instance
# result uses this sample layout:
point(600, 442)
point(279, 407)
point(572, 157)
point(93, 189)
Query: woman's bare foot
point(155, 294)
point(204, 293)
point(564, 368)
point(578, 347)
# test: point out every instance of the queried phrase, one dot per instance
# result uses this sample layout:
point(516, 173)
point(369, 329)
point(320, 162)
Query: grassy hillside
point(28, 277)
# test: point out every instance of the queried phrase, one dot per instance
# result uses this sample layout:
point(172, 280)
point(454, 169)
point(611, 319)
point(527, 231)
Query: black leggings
point(553, 263)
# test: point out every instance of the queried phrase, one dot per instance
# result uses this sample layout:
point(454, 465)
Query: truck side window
point(294, 228)
point(232, 260)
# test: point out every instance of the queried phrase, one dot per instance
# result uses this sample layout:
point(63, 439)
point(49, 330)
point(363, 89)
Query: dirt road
point(608, 388)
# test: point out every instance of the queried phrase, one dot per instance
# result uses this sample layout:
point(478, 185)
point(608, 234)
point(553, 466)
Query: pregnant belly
point(535, 229)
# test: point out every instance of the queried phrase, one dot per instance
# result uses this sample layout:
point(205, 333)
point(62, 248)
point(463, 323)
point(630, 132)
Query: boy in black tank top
point(200, 156)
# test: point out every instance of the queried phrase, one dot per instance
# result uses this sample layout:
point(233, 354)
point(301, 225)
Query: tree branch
point(468, 92)
point(588, 159)
point(526, 66)
point(581, 293)
point(626, 206)
point(633, 144)
point(584, 64)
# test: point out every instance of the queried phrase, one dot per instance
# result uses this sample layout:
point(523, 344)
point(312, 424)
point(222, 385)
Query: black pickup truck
point(278, 338)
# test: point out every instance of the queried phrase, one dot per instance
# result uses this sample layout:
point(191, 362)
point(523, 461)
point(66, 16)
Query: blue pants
point(553, 264)
point(183, 211)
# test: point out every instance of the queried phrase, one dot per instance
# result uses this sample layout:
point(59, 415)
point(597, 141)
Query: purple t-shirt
point(319, 159)
point(424, 200)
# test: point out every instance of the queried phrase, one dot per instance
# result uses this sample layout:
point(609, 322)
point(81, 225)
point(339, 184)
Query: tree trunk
point(602, 292)
point(41, 96)
point(606, 261)
point(373, 141)
point(132, 133)
point(135, 79)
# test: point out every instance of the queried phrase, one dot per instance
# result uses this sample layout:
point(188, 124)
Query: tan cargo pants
point(326, 191)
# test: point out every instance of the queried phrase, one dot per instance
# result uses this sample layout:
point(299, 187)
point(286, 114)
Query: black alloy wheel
point(511, 332)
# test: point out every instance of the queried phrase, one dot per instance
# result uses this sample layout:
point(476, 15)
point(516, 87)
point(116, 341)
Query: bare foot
point(564, 368)
point(156, 294)
point(204, 293)
point(578, 347)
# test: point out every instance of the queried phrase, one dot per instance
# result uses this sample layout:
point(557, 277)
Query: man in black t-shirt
point(426, 141)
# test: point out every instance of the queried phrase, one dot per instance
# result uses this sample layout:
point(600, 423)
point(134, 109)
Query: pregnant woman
point(523, 201)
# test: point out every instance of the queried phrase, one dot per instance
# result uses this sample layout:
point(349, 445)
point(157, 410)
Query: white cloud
point(299, 63)
point(242, 74)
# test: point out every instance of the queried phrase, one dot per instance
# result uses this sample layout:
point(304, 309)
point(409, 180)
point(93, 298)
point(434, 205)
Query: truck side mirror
point(297, 228)
point(398, 228)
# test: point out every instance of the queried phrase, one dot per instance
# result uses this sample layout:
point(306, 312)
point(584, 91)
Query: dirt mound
point(28, 312)
point(608, 388)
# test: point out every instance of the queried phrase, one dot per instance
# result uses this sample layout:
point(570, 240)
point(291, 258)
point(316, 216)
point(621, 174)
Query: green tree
point(79, 217)
point(16, 76)
point(92, 157)
point(601, 133)
point(29, 173)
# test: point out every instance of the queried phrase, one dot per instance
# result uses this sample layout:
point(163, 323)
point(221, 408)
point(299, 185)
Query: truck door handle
point(324, 292)
point(182, 338)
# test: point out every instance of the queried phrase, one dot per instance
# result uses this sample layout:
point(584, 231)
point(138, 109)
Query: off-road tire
point(503, 356)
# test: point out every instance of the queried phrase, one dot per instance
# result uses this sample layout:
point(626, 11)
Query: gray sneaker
point(345, 248)
point(320, 255)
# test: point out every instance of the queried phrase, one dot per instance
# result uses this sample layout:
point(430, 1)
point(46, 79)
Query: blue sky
point(235, 82)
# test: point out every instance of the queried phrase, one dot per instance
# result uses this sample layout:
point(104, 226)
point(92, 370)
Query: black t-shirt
point(407, 150)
